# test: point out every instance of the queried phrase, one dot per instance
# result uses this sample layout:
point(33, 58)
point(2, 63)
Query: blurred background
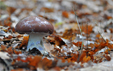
point(56, 11)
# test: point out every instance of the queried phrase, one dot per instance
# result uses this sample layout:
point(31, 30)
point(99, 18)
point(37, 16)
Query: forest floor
point(82, 38)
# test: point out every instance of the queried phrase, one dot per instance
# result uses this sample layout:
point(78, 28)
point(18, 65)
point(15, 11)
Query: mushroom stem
point(35, 41)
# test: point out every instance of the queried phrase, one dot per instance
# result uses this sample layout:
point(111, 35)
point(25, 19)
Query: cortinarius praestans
point(37, 28)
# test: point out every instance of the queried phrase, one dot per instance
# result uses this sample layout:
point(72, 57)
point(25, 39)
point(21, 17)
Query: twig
point(82, 39)
point(102, 36)
point(79, 28)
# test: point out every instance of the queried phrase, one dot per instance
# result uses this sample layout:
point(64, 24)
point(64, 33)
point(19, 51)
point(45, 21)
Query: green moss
point(59, 23)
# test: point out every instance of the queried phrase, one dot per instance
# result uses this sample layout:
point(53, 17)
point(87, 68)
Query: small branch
point(78, 23)
point(82, 39)
point(102, 36)
point(79, 28)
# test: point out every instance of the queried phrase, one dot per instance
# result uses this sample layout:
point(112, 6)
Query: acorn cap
point(34, 24)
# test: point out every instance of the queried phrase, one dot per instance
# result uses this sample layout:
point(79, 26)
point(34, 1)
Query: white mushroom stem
point(35, 41)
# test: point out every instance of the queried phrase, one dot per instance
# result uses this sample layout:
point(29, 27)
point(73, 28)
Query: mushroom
point(37, 28)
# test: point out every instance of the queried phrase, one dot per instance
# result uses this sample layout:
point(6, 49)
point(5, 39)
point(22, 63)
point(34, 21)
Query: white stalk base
point(35, 41)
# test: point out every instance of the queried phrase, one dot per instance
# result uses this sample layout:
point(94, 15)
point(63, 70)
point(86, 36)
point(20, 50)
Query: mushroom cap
point(34, 24)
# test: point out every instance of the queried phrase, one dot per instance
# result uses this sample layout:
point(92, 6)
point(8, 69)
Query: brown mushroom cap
point(34, 24)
